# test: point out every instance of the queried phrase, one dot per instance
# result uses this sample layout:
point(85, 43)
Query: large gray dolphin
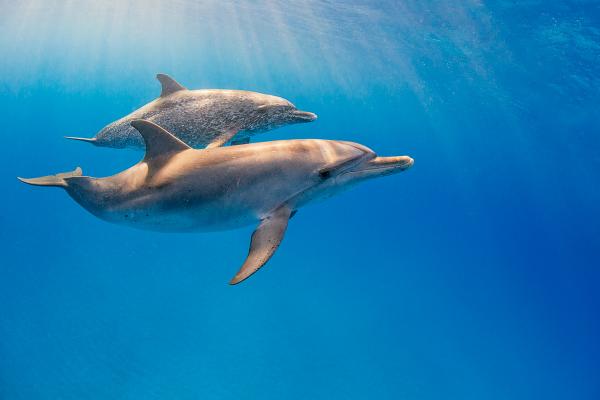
point(175, 188)
point(208, 117)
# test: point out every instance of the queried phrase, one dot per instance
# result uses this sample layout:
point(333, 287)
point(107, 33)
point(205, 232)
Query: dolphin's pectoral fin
point(236, 142)
point(53, 180)
point(168, 85)
point(265, 240)
point(222, 139)
point(158, 141)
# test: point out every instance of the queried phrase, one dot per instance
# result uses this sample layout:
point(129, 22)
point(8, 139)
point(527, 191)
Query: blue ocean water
point(473, 275)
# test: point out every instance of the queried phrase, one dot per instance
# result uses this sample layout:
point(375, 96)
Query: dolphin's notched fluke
point(265, 240)
point(52, 180)
point(82, 139)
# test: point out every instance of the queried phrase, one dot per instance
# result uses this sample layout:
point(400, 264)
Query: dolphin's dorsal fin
point(158, 141)
point(168, 84)
point(265, 240)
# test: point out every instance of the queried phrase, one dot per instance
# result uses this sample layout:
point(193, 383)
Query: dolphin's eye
point(325, 173)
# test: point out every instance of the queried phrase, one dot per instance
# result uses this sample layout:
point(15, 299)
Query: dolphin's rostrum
point(179, 189)
point(207, 117)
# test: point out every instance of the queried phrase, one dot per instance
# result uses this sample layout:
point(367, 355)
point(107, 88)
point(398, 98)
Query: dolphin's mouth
point(380, 166)
point(304, 116)
point(389, 163)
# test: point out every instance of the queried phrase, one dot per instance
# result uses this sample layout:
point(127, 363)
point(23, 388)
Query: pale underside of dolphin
point(175, 188)
point(207, 117)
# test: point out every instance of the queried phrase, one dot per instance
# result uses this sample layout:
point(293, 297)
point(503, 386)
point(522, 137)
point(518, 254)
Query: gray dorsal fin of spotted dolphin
point(159, 142)
point(168, 84)
point(265, 240)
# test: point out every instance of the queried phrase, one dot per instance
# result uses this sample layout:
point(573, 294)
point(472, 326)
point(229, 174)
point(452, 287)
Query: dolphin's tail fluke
point(52, 180)
point(81, 139)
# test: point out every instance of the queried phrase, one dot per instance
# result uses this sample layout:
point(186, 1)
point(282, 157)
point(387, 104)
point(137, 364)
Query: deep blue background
point(474, 275)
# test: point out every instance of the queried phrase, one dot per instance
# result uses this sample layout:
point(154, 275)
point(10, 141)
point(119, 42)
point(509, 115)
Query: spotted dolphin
point(175, 188)
point(207, 117)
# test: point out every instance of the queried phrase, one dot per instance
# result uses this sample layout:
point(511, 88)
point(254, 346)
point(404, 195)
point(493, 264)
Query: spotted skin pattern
point(199, 117)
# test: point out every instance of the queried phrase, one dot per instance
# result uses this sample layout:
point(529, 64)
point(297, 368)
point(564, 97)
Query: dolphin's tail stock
point(52, 180)
point(82, 139)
